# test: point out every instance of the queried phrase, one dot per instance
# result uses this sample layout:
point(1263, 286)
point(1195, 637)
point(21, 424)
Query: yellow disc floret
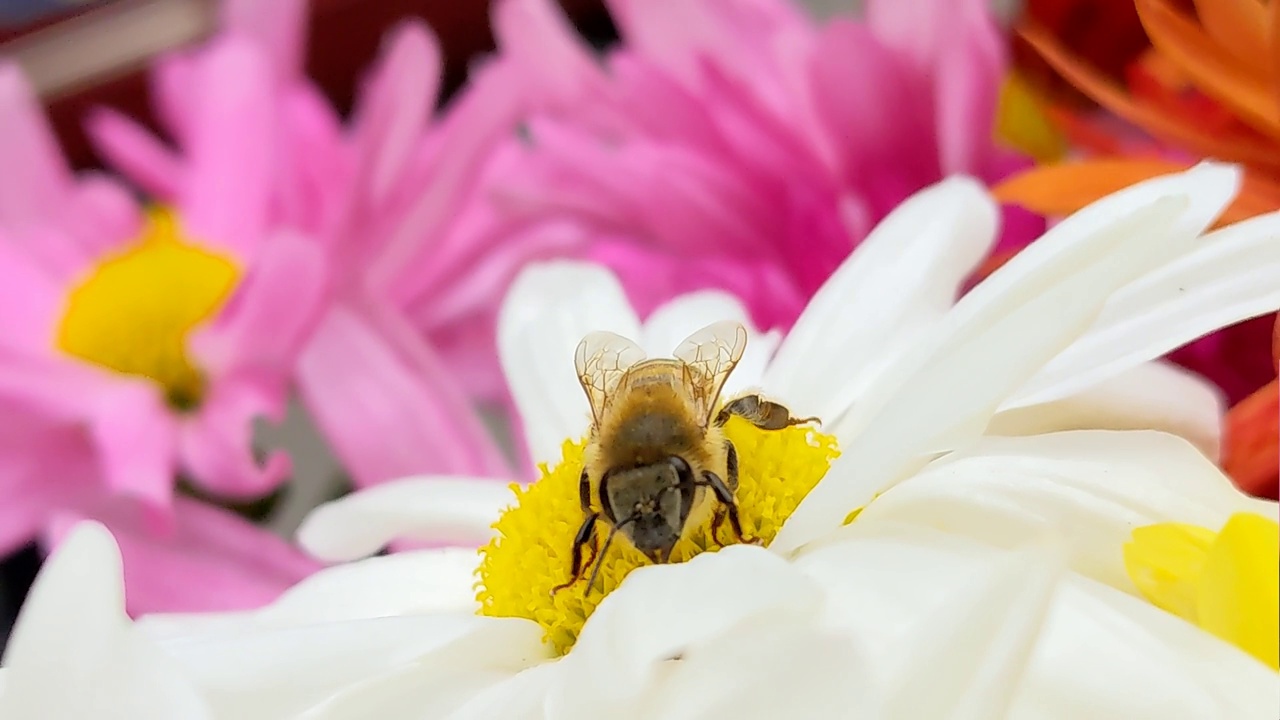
point(530, 553)
point(1226, 582)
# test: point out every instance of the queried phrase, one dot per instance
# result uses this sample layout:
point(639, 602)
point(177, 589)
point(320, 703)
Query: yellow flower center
point(133, 313)
point(530, 553)
point(1227, 583)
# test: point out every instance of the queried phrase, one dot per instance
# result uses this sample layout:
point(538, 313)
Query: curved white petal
point(1232, 275)
point(1001, 333)
point(1154, 395)
point(771, 667)
point(519, 697)
point(1098, 653)
point(661, 611)
point(680, 317)
point(547, 311)
point(407, 583)
point(1105, 655)
point(277, 672)
point(437, 685)
point(898, 283)
point(73, 652)
point(1089, 487)
point(458, 511)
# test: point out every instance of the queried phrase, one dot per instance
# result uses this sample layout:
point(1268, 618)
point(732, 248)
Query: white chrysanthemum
point(993, 581)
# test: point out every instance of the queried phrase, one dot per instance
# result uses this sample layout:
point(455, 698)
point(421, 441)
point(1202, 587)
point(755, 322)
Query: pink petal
point(212, 560)
point(136, 438)
point(278, 27)
point(556, 64)
point(227, 192)
point(738, 34)
point(135, 152)
point(174, 93)
point(44, 465)
point(103, 215)
point(131, 428)
point(970, 67)
point(484, 113)
point(394, 107)
point(314, 159)
point(38, 192)
point(269, 316)
point(217, 443)
point(385, 402)
point(875, 141)
point(32, 304)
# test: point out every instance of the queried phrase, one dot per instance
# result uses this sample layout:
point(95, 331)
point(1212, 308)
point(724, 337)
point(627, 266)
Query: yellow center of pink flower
point(135, 310)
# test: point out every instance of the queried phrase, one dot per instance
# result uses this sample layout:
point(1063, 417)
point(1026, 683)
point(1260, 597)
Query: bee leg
point(584, 491)
point(730, 507)
point(764, 414)
point(586, 533)
point(596, 570)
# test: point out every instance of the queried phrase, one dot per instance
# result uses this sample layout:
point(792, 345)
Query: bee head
point(650, 503)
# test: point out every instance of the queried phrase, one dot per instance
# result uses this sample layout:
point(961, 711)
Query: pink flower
point(737, 144)
point(378, 196)
point(139, 345)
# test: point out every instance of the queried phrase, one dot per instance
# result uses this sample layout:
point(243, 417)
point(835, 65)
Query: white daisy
point(918, 608)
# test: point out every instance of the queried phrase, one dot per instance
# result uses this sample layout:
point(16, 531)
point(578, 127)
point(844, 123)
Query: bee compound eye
point(683, 471)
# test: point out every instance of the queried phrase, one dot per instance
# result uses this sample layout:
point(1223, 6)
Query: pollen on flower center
point(133, 313)
point(530, 553)
point(1226, 582)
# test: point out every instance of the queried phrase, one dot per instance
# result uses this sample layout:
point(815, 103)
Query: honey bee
point(657, 461)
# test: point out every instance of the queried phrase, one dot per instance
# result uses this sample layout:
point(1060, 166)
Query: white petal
point(910, 595)
point(547, 311)
point(772, 667)
point(999, 335)
point(276, 672)
point(663, 610)
point(435, 686)
point(1233, 275)
point(679, 318)
point(1154, 395)
point(458, 511)
point(1099, 654)
point(1104, 655)
point(407, 583)
point(890, 291)
point(73, 653)
point(1090, 487)
point(520, 697)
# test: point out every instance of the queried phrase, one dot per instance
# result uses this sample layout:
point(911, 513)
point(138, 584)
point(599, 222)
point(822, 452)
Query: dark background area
point(343, 40)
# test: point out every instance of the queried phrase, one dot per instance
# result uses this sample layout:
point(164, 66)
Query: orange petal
point(1273, 22)
point(1063, 188)
point(1239, 27)
point(1275, 345)
point(1258, 195)
point(1251, 455)
point(1214, 71)
point(1249, 150)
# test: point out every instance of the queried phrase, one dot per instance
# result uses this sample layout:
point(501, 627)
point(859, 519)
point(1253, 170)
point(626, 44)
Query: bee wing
point(602, 359)
point(710, 354)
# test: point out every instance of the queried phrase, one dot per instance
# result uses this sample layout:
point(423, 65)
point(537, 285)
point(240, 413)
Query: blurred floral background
point(253, 251)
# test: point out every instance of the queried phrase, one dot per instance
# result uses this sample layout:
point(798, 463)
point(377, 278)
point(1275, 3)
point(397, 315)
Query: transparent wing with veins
point(709, 355)
point(602, 359)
